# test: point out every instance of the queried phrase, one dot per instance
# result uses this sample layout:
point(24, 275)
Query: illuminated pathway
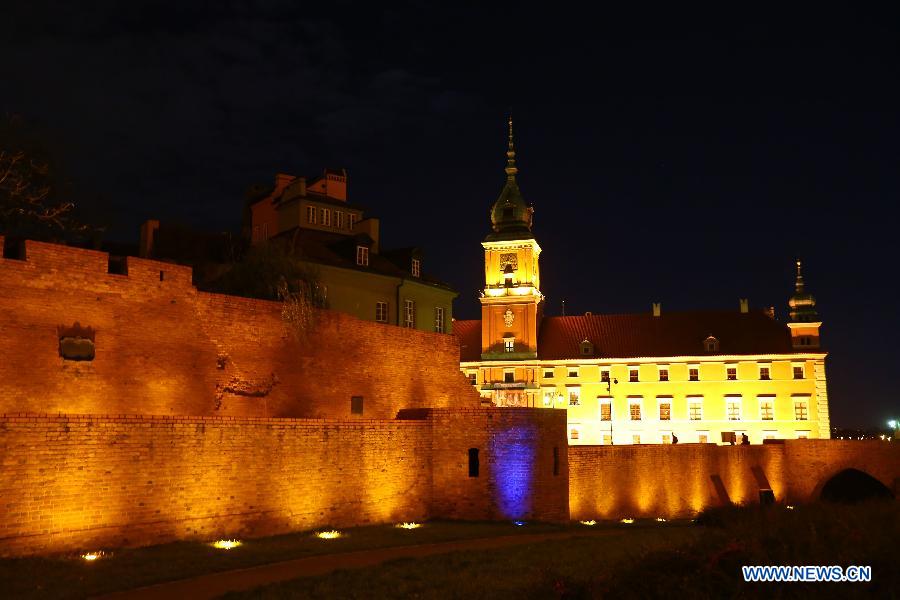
point(213, 585)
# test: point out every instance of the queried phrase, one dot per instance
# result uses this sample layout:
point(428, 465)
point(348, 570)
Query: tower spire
point(798, 285)
point(511, 169)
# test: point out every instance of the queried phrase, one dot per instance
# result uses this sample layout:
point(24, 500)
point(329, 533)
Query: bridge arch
point(851, 484)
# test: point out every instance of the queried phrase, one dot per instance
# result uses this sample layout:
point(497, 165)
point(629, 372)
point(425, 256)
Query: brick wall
point(73, 482)
point(164, 348)
point(516, 477)
point(612, 482)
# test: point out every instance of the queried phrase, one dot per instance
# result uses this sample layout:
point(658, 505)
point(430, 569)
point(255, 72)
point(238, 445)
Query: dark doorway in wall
point(474, 464)
point(356, 405)
point(852, 485)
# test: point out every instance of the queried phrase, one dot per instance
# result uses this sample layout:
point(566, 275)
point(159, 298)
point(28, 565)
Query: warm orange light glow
point(660, 520)
point(409, 525)
point(590, 523)
point(789, 507)
point(328, 535)
point(91, 556)
point(627, 520)
point(226, 544)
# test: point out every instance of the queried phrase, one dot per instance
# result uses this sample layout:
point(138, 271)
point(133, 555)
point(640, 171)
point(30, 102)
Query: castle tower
point(805, 321)
point(511, 300)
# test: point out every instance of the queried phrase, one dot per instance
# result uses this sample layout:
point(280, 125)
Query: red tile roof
point(469, 334)
point(643, 335)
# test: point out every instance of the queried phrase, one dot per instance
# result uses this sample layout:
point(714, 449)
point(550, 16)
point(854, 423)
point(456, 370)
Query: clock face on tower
point(510, 259)
point(508, 317)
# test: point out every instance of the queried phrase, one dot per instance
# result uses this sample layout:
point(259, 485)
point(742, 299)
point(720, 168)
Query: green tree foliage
point(271, 271)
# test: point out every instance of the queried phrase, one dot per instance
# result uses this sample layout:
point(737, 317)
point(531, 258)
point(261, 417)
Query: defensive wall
point(201, 416)
point(677, 481)
point(163, 348)
point(75, 482)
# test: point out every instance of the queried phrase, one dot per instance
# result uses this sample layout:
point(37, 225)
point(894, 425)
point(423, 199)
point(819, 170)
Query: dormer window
point(587, 348)
point(416, 267)
point(362, 256)
point(508, 275)
point(509, 344)
point(711, 344)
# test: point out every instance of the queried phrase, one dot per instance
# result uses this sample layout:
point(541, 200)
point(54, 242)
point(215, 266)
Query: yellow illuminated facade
point(733, 373)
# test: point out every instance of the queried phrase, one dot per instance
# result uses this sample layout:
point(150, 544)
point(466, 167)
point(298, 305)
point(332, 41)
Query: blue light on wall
point(514, 454)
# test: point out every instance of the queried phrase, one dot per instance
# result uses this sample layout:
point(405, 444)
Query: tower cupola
point(802, 303)
point(510, 216)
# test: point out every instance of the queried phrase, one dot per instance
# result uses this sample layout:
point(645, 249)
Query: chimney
point(745, 305)
point(149, 229)
point(657, 309)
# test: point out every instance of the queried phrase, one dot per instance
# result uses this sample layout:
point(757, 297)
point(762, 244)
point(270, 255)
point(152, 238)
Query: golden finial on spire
point(511, 169)
point(798, 285)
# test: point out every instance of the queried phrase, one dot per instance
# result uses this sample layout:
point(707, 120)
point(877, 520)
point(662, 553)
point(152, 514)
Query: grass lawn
point(703, 561)
point(72, 577)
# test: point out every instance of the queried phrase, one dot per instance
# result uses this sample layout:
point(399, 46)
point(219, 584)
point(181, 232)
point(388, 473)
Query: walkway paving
point(213, 585)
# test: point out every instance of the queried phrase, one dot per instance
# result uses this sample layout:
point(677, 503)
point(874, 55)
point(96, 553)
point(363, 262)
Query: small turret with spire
point(510, 216)
point(804, 324)
point(803, 305)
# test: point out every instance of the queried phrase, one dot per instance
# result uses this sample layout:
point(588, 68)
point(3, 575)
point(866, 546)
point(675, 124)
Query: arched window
point(711, 344)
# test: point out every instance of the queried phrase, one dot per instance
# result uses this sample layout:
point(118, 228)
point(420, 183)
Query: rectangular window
point(354, 219)
point(326, 217)
point(632, 375)
point(606, 411)
point(438, 319)
point(573, 433)
point(634, 410)
point(665, 411)
point(702, 437)
point(573, 373)
point(695, 410)
point(798, 372)
point(604, 375)
point(509, 377)
point(356, 405)
point(764, 373)
point(731, 373)
point(409, 313)
point(574, 396)
point(473, 378)
point(801, 410)
point(548, 374)
point(664, 373)
point(694, 374)
point(666, 438)
point(362, 256)
point(381, 311)
point(766, 409)
point(339, 219)
point(416, 267)
point(733, 409)
point(549, 395)
point(509, 344)
point(607, 439)
point(802, 435)
point(311, 215)
point(636, 438)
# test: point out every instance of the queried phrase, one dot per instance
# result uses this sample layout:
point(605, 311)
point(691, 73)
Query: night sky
point(678, 157)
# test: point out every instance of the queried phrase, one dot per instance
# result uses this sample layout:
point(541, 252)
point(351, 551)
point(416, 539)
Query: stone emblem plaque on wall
point(508, 317)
